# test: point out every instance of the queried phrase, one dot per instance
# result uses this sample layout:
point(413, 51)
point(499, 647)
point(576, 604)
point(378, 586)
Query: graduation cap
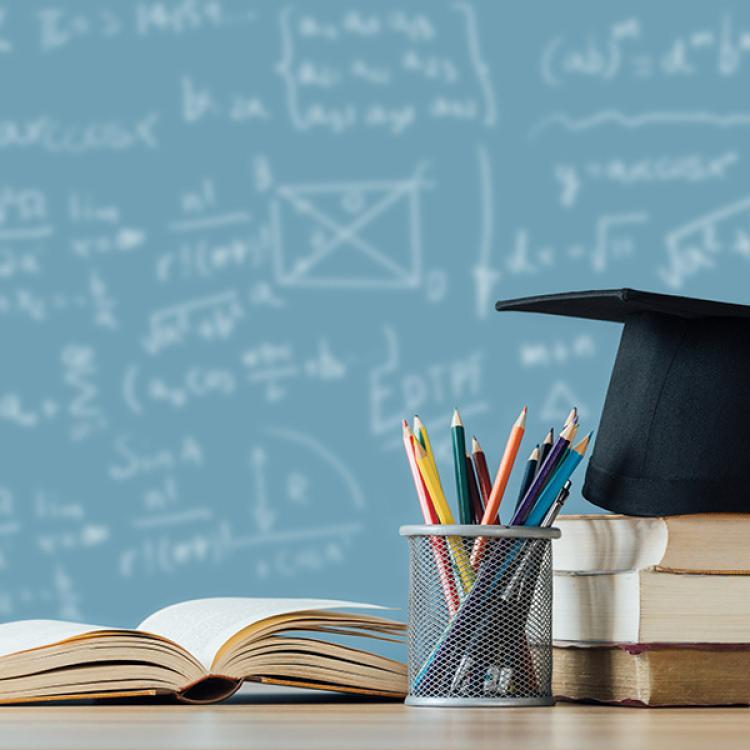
point(673, 436)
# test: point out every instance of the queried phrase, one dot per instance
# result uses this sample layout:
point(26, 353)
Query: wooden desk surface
point(274, 719)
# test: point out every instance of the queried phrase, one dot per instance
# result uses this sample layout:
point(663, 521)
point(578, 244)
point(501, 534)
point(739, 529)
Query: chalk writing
point(445, 87)
point(699, 243)
point(692, 169)
point(613, 242)
point(558, 352)
point(208, 318)
point(720, 48)
point(80, 374)
point(54, 136)
point(394, 392)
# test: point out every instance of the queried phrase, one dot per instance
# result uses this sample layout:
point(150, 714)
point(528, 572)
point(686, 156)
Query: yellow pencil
point(421, 433)
point(460, 558)
point(433, 484)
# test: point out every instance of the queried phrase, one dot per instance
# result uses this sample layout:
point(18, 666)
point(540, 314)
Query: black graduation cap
point(674, 433)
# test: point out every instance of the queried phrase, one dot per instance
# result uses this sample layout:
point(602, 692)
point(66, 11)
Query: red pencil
point(477, 507)
point(483, 472)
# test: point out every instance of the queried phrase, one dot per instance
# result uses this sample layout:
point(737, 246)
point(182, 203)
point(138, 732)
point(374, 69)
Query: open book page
point(26, 634)
point(202, 626)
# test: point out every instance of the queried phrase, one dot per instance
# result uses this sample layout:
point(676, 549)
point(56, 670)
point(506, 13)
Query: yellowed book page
point(23, 635)
point(202, 626)
point(708, 543)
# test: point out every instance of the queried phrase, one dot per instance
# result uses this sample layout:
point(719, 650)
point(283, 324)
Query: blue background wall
point(239, 241)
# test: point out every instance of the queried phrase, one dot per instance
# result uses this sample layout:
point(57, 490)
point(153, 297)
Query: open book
point(200, 651)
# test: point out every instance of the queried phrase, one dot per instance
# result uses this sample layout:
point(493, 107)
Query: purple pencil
point(563, 442)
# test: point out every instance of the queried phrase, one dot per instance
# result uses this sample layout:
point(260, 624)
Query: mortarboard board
point(673, 436)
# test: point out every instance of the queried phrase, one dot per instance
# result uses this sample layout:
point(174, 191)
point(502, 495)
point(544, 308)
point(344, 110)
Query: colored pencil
point(528, 476)
point(440, 552)
point(425, 501)
point(545, 448)
point(420, 431)
point(477, 507)
point(556, 483)
point(483, 472)
point(432, 482)
point(501, 482)
point(564, 454)
point(458, 440)
point(544, 473)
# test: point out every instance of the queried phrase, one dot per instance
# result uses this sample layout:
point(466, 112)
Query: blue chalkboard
point(240, 241)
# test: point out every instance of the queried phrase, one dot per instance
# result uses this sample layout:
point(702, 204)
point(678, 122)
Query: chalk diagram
point(349, 235)
point(305, 520)
point(558, 401)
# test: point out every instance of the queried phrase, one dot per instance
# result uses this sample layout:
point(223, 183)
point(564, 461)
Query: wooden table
point(271, 719)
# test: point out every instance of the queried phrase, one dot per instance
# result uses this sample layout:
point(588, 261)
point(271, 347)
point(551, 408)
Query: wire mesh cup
point(480, 615)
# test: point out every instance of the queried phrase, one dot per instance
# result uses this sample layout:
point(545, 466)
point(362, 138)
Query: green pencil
point(458, 438)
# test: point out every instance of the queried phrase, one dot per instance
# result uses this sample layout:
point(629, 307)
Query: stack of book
point(653, 611)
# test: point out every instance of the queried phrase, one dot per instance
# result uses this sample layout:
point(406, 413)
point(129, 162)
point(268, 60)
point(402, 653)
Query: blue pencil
point(544, 473)
point(528, 476)
point(555, 484)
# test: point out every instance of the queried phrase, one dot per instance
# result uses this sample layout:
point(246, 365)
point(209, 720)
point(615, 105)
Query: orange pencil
point(501, 482)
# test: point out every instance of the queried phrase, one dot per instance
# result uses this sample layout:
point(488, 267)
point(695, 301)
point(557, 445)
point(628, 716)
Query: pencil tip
point(534, 454)
point(584, 444)
point(521, 421)
point(568, 432)
point(456, 421)
point(475, 447)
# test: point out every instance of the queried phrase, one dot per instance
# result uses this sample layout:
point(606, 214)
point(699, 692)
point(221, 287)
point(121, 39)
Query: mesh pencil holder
point(480, 615)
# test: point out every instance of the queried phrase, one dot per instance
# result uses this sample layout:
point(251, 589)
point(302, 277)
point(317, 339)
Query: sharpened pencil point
point(419, 451)
point(475, 447)
point(581, 447)
point(569, 432)
point(534, 454)
point(549, 437)
point(521, 421)
point(456, 421)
